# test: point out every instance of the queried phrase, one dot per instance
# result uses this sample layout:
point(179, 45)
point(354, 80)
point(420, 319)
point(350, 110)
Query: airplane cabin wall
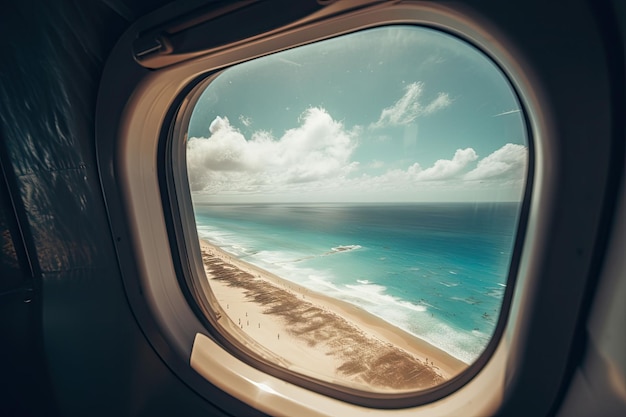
point(70, 345)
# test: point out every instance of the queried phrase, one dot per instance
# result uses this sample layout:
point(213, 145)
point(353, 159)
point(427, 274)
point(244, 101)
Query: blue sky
point(400, 113)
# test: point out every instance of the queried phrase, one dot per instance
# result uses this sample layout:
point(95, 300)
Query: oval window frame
point(159, 284)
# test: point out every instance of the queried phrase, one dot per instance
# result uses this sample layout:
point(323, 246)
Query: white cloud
point(246, 121)
point(376, 164)
point(508, 162)
point(447, 168)
point(318, 149)
point(441, 102)
point(408, 107)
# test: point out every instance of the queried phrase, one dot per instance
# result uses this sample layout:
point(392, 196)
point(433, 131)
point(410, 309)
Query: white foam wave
point(411, 317)
point(464, 345)
point(374, 294)
point(449, 284)
point(469, 300)
point(496, 293)
point(345, 248)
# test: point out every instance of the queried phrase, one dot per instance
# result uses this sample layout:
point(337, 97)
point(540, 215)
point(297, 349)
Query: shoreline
point(321, 336)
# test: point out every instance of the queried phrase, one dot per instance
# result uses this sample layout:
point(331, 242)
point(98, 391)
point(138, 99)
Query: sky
point(392, 114)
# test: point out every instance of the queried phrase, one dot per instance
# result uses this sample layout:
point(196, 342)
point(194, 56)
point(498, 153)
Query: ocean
point(436, 270)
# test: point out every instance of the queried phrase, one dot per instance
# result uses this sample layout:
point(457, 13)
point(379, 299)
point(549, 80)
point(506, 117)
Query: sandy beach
point(320, 336)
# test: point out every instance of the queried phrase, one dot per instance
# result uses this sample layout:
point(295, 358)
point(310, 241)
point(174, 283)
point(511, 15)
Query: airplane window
point(357, 203)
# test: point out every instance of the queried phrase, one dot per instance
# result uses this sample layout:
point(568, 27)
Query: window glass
point(357, 203)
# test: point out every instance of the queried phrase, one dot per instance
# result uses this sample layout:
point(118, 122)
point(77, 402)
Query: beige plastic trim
point(276, 397)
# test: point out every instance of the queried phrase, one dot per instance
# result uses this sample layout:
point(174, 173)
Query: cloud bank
point(316, 161)
point(448, 168)
point(507, 163)
point(320, 148)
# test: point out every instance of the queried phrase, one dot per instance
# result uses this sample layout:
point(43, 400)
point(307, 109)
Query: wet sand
point(318, 335)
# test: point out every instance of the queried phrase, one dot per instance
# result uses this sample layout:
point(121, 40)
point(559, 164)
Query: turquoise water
point(435, 270)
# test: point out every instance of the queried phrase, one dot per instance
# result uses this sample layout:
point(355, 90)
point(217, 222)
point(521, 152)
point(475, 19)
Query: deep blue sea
point(435, 270)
